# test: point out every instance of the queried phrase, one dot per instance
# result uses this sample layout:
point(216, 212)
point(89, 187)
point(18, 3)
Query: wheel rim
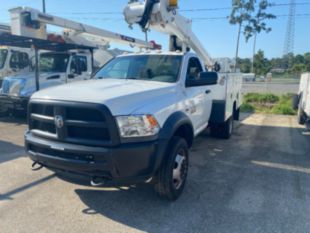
point(179, 169)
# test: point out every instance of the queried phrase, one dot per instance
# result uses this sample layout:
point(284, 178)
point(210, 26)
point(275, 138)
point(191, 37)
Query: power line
point(185, 10)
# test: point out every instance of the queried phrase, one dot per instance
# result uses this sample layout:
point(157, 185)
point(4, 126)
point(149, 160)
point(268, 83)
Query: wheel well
point(186, 132)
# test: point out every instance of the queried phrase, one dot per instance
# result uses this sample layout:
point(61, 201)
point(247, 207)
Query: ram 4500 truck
point(134, 121)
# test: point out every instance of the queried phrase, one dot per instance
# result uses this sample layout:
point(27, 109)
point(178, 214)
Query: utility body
point(136, 119)
point(302, 101)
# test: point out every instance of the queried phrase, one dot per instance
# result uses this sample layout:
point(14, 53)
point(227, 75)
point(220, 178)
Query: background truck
point(137, 118)
point(301, 101)
point(14, 60)
point(57, 68)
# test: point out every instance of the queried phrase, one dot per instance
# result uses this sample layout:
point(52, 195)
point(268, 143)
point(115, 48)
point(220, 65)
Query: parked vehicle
point(13, 61)
point(134, 121)
point(55, 68)
point(301, 101)
point(137, 118)
point(249, 77)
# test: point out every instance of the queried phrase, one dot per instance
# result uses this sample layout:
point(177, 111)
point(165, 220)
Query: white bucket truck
point(137, 118)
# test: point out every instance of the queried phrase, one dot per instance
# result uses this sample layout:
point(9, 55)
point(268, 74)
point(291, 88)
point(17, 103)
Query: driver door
point(199, 102)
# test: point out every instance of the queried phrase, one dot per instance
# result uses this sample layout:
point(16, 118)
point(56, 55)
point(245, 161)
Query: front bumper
point(129, 163)
point(13, 104)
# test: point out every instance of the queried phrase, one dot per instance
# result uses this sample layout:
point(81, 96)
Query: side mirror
point(204, 79)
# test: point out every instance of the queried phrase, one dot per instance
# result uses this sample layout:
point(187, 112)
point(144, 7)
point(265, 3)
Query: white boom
point(163, 16)
point(5, 28)
point(32, 23)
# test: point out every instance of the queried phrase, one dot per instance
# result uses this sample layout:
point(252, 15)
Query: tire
point(223, 130)
point(301, 117)
point(295, 101)
point(237, 114)
point(172, 175)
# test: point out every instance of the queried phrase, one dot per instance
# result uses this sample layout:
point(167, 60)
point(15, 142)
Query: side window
point(82, 63)
point(19, 60)
point(194, 68)
point(78, 64)
point(24, 60)
point(14, 60)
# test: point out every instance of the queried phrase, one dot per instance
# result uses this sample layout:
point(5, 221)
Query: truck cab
point(14, 60)
point(134, 121)
point(55, 68)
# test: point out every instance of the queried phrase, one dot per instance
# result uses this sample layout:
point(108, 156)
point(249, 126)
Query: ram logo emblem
point(59, 121)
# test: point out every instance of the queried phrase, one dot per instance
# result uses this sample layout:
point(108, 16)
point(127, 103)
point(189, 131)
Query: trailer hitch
point(97, 181)
point(36, 166)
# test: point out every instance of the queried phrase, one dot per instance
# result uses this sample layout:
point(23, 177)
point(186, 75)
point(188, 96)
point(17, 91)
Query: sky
point(217, 35)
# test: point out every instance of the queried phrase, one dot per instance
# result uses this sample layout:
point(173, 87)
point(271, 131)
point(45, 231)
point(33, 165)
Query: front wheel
point(173, 172)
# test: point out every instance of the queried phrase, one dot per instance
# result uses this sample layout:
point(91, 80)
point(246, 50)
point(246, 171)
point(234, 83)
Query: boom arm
point(163, 16)
point(30, 22)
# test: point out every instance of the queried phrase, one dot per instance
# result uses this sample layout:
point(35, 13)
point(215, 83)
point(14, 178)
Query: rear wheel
point(173, 172)
point(301, 117)
point(223, 130)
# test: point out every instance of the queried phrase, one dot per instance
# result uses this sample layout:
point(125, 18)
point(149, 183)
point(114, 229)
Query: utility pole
point(43, 5)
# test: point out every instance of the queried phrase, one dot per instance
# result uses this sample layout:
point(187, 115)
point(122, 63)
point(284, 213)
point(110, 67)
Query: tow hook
point(97, 181)
point(36, 166)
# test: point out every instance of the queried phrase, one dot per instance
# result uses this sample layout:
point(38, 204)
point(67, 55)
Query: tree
point(244, 12)
point(240, 14)
point(298, 69)
point(258, 24)
point(261, 65)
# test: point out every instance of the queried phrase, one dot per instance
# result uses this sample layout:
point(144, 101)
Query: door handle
point(208, 92)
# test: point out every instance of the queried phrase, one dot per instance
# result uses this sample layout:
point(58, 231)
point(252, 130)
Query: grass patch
point(268, 103)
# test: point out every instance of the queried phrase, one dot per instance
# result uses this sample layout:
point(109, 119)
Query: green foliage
point(261, 64)
point(247, 108)
point(268, 103)
point(298, 69)
point(260, 98)
point(290, 64)
point(253, 17)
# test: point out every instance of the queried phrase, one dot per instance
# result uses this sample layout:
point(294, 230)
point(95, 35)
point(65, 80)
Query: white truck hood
point(120, 96)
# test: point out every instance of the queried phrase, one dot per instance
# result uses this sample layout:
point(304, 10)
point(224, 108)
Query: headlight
point(137, 126)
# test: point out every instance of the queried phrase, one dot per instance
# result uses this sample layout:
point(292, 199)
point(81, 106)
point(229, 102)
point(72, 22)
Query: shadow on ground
point(10, 151)
point(257, 181)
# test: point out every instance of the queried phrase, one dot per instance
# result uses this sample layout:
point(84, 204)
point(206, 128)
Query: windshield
point(160, 68)
point(51, 62)
point(3, 55)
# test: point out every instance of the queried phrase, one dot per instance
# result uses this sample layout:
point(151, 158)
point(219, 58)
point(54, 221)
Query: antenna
point(290, 30)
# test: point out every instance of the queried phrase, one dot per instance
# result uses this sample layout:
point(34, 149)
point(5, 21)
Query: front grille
point(78, 123)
